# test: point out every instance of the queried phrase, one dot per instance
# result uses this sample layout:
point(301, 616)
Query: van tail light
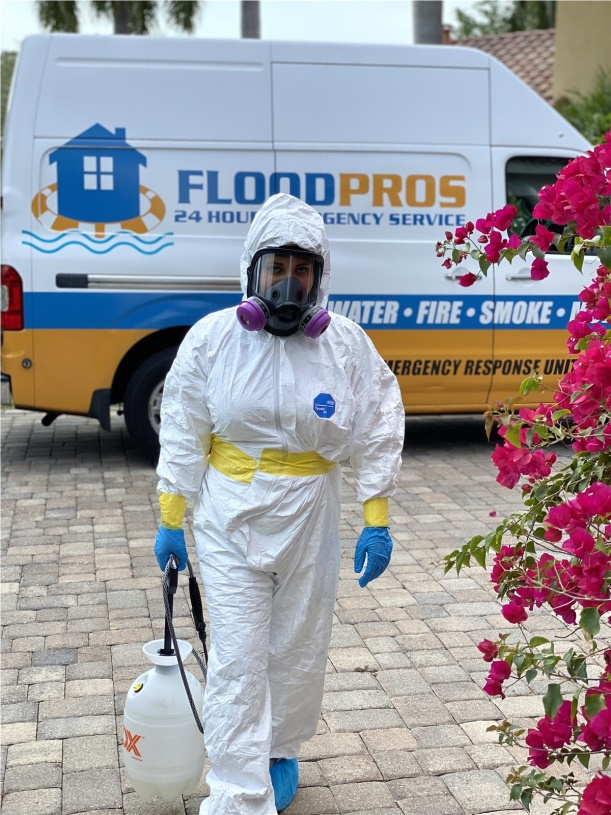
point(12, 300)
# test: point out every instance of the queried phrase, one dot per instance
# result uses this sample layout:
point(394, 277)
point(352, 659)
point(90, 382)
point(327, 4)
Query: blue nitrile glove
point(171, 542)
point(284, 773)
point(376, 543)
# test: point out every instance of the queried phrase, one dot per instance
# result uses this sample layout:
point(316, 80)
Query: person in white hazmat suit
point(259, 408)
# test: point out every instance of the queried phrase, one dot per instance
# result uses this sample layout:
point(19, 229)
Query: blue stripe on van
point(121, 310)
point(470, 311)
point(157, 310)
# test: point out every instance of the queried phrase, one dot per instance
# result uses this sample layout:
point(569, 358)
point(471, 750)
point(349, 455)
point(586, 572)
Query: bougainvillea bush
point(556, 553)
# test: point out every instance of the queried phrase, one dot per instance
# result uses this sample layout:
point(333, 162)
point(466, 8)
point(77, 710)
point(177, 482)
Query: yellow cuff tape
point(375, 512)
point(172, 510)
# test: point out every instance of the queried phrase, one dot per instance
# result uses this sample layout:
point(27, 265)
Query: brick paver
point(404, 722)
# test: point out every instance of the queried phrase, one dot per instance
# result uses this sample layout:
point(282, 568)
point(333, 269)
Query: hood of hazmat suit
point(285, 271)
point(253, 429)
point(285, 220)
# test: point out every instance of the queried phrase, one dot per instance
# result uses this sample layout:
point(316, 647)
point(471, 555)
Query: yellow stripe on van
point(466, 371)
point(69, 365)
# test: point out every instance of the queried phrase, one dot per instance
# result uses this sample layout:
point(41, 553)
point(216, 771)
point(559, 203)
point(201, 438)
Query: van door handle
point(523, 275)
point(456, 273)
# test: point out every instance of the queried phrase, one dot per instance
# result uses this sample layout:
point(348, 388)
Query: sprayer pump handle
point(173, 575)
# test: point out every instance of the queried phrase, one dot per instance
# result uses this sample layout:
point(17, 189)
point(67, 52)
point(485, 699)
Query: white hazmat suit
point(253, 429)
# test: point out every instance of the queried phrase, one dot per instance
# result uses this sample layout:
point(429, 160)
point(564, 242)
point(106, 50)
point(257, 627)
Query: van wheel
point(142, 402)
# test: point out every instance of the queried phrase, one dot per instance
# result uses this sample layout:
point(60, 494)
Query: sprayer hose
point(171, 564)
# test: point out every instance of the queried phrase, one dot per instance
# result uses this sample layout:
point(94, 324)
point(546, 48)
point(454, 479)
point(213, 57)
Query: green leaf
point(594, 703)
point(577, 259)
point(530, 675)
point(552, 700)
point(604, 255)
point(584, 758)
point(513, 434)
point(480, 557)
point(567, 235)
point(589, 622)
point(484, 265)
point(515, 793)
point(535, 642)
point(556, 784)
point(606, 232)
point(528, 385)
point(518, 662)
point(523, 250)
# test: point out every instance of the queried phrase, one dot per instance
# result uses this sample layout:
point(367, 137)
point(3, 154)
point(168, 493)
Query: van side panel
point(175, 90)
point(378, 105)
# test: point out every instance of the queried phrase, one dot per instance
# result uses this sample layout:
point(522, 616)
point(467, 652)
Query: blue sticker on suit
point(324, 406)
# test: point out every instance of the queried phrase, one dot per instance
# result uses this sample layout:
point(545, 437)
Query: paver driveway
point(403, 727)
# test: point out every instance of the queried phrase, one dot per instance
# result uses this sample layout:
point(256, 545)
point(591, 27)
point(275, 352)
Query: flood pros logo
point(98, 191)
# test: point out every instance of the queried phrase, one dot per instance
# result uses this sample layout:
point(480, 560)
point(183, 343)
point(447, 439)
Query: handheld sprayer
point(163, 745)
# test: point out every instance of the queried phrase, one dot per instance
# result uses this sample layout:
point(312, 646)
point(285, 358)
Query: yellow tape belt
point(232, 462)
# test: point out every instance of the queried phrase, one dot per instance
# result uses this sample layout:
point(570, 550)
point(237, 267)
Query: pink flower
point(550, 734)
point(447, 263)
point(539, 269)
point(580, 327)
point(467, 280)
point(596, 798)
point(514, 242)
point(504, 561)
point(558, 731)
point(494, 247)
point(513, 462)
point(579, 544)
point(597, 732)
point(546, 208)
point(484, 224)
point(538, 754)
point(489, 649)
point(513, 612)
point(499, 672)
point(542, 238)
point(463, 232)
point(502, 218)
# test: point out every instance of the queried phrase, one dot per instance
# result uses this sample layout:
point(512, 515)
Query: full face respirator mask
point(283, 286)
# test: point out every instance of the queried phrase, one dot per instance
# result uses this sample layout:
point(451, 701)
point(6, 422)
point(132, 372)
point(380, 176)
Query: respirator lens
point(298, 273)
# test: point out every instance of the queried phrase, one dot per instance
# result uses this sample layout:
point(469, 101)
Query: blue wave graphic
point(100, 251)
point(70, 232)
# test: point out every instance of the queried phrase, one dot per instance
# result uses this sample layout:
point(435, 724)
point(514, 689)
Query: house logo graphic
point(98, 202)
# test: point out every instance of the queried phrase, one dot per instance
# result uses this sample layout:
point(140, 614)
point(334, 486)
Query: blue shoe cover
point(285, 775)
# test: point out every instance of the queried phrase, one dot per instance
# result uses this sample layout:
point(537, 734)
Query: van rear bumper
point(99, 408)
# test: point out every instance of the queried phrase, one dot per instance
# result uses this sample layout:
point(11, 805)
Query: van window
point(524, 177)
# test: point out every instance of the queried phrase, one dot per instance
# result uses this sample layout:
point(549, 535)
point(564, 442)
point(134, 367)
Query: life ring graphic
point(44, 208)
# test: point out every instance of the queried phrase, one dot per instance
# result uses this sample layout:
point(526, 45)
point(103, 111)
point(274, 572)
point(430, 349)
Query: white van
point(133, 167)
